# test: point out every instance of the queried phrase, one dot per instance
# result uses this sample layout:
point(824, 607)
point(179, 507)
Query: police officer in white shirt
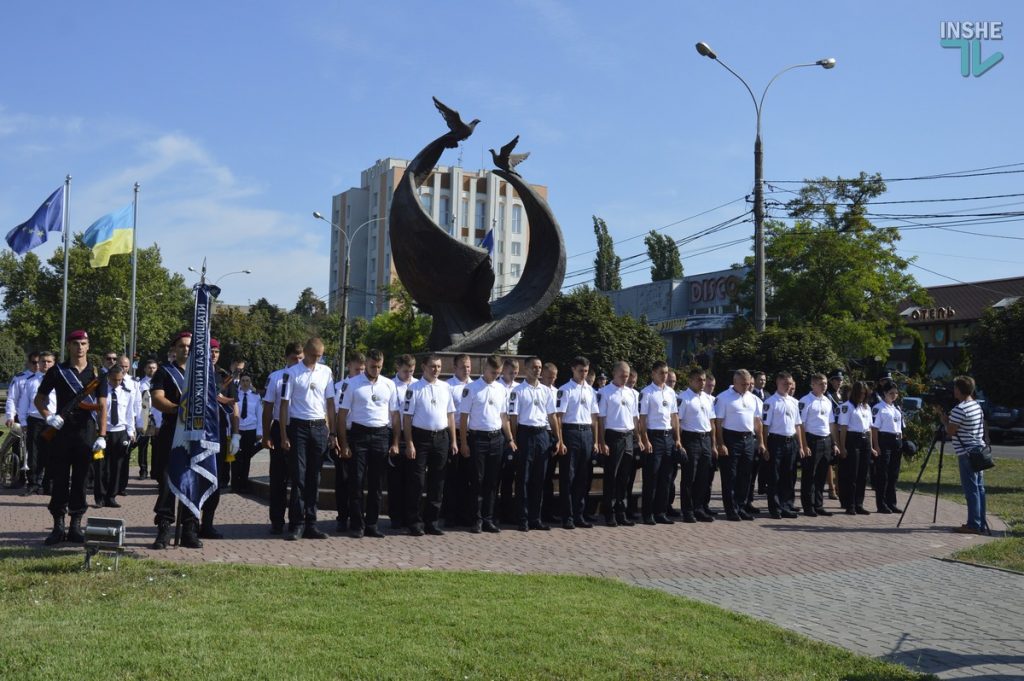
point(781, 418)
point(483, 423)
point(506, 509)
point(576, 404)
point(250, 429)
point(631, 463)
point(16, 412)
point(617, 425)
point(405, 367)
point(132, 384)
point(38, 478)
point(277, 383)
point(534, 424)
point(855, 449)
point(696, 409)
point(456, 503)
point(428, 423)
point(818, 413)
point(887, 439)
point(659, 430)
point(549, 378)
point(121, 409)
point(738, 436)
point(355, 365)
point(372, 400)
point(307, 407)
point(149, 418)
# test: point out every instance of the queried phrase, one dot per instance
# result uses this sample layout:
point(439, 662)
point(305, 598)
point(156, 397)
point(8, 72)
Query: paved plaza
point(858, 582)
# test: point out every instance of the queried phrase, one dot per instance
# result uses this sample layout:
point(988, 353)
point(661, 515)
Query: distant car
point(911, 406)
point(1005, 421)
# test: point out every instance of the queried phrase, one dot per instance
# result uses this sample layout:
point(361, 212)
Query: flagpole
point(135, 268)
point(64, 300)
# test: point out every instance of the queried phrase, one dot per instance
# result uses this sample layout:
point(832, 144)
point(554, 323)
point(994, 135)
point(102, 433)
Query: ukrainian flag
point(110, 235)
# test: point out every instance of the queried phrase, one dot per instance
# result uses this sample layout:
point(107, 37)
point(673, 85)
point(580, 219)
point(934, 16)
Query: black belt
point(307, 422)
point(577, 426)
point(485, 433)
point(659, 432)
point(429, 432)
point(696, 433)
point(787, 438)
point(360, 428)
point(622, 433)
point(817, 437)
point(737, 433)
point(894, 436)
point(858, 433)
point(532, 429)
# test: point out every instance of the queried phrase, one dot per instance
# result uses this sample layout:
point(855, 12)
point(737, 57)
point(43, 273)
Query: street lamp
point(230, 273)
point(704, 50)
point(344, 288)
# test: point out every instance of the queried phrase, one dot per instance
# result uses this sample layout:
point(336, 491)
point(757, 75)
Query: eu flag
point(48, 218)
point(488, 242)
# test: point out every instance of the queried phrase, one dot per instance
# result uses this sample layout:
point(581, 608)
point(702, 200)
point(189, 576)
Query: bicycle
point(13, 462)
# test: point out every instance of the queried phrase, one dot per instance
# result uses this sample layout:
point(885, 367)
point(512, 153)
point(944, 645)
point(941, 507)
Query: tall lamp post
point(344, 286)
point(705, 50)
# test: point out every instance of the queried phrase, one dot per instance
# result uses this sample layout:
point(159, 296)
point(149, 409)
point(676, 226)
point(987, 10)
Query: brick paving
point(856, 581)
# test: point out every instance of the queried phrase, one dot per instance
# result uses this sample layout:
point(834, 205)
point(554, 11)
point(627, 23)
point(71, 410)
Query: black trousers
point(814, 472)
point(574, 470)
point(306, 459)
point(735, 469)
point(278, 476)
point(426, 471)
point(144, 443)
point(341, 487)
point(628, 467)
point(397, 494)
point(366, 470)
point(616, 471)
point(711, 478)
point(886, 469)
point(486, 449)
point(694, 487)
point(36, 449)
point(548, 507)
point(853, 470)
point(783, 453)
point(70, 456)
point(248, 448)
point(113, 471)
point(531, 459)
point(658, 465)
point(163, 509)
point(455, 501)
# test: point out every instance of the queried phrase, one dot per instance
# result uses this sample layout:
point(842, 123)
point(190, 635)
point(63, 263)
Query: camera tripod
point(940, 438)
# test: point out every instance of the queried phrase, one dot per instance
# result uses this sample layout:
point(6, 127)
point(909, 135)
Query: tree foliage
point(835, 269)
point(664, 255)
point(309, 305)
point(402, 329)
point(606, 263)
point(918, 359)
point(583, 322)
point(800, 350)
point(12, 356)
point(997, 354)
point(98, 299)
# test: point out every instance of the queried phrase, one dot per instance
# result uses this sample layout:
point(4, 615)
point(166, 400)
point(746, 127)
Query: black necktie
point(245, 405)
point(113, 407)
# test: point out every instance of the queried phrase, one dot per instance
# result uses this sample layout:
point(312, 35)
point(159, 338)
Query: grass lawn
point(1004, 496)
point(156, 620)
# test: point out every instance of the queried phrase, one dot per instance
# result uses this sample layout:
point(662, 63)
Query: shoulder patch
point(801, 406)
point(874, 411)
point(465, 392)
point(846, 408)
point(560, 393)
point(512, 397)
point(597, 396)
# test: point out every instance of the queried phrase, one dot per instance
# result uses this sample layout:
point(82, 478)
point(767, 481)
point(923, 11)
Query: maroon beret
point(78, 334)
point(181, 334)
point(214, 343)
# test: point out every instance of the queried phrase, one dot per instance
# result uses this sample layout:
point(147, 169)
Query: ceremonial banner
point(192, 467)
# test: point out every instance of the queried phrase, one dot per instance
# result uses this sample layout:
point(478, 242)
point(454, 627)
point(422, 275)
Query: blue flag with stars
point(488, 242)
point(48, 218)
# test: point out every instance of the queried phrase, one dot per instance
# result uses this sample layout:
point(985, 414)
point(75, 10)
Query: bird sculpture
point(459, 129)
point(506, 160)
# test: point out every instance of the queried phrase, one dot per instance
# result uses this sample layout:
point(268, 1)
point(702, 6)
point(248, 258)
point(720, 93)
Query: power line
point(973, 172)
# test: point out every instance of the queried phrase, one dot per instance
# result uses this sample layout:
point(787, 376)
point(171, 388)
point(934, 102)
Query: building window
point(464, 217)
point(501, 268)
point(517, 248)
point(515, 270)
point(428, 203)
point(446, 217)
point(501, 247)
point(517, 219)
point(501, 218)
point(481, 215)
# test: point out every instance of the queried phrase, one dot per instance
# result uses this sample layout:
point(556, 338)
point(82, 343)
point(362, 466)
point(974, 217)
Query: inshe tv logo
point(967, 36)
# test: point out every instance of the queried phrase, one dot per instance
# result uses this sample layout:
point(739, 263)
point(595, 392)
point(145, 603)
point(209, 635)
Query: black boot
point(59, 533)
point(163, 536)
point(75, 535)
point(189, 539)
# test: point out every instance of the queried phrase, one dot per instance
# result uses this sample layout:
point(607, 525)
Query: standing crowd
point(464, 452)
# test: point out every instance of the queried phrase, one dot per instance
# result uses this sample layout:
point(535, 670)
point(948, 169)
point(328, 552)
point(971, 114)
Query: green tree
point(997, 354)
point(12, 356)
point(664, 255)
point(98, 299)
point(918, 359)
point(834, 269)
point(402, 329)
point(583, 322)
point(606, 263)
point(309, 305)
point(800, 350)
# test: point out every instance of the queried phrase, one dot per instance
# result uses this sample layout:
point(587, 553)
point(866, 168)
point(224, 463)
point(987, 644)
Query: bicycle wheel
point(10, 468)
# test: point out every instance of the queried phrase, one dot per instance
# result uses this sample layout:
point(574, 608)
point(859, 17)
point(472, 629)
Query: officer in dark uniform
point(230, 440)
point(71, 451)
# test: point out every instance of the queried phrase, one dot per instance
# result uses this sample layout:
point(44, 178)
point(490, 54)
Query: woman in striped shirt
point(966, 426)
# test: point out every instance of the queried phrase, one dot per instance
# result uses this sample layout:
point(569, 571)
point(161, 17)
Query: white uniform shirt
point(429, 404)
point(658, 405)
point(485, 403)
point(250, 418)
point(457, 388)
point(857, 419)
point(340, 387)
point(818, 414)
point(126, 407)
point(781, 415)
point(133, 385)
point(618, 407)
point(30, 388)
point(531, 406)
point(272, 395)
point(695, 411)
point(371, 403)
point(887, 418)
point(14, 406)
point(577, 402)
point(737, 412)
point(509, 388)
point(307, 391)
point(401, 387)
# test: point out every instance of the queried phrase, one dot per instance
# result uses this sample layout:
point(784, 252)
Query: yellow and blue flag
point(49, 217)
point(110, 235)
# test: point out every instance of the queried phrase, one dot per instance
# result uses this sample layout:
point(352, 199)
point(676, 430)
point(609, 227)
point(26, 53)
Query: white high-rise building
point(465, 203)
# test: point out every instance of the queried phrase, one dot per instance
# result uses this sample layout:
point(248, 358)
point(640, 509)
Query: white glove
point(99, 445)
point(236, 443)
point(55, 421)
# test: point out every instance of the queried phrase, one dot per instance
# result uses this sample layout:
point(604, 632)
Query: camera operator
point(965, 424)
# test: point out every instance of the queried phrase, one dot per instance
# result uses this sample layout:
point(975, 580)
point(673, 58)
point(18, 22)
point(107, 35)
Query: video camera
point(941, 397)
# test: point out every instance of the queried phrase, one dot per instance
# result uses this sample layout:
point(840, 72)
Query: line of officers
point(478, 453)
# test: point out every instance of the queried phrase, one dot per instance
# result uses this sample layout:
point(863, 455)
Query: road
point(1009, 451)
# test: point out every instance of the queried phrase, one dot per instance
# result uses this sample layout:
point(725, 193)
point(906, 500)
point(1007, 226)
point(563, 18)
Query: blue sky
point(239, 119)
